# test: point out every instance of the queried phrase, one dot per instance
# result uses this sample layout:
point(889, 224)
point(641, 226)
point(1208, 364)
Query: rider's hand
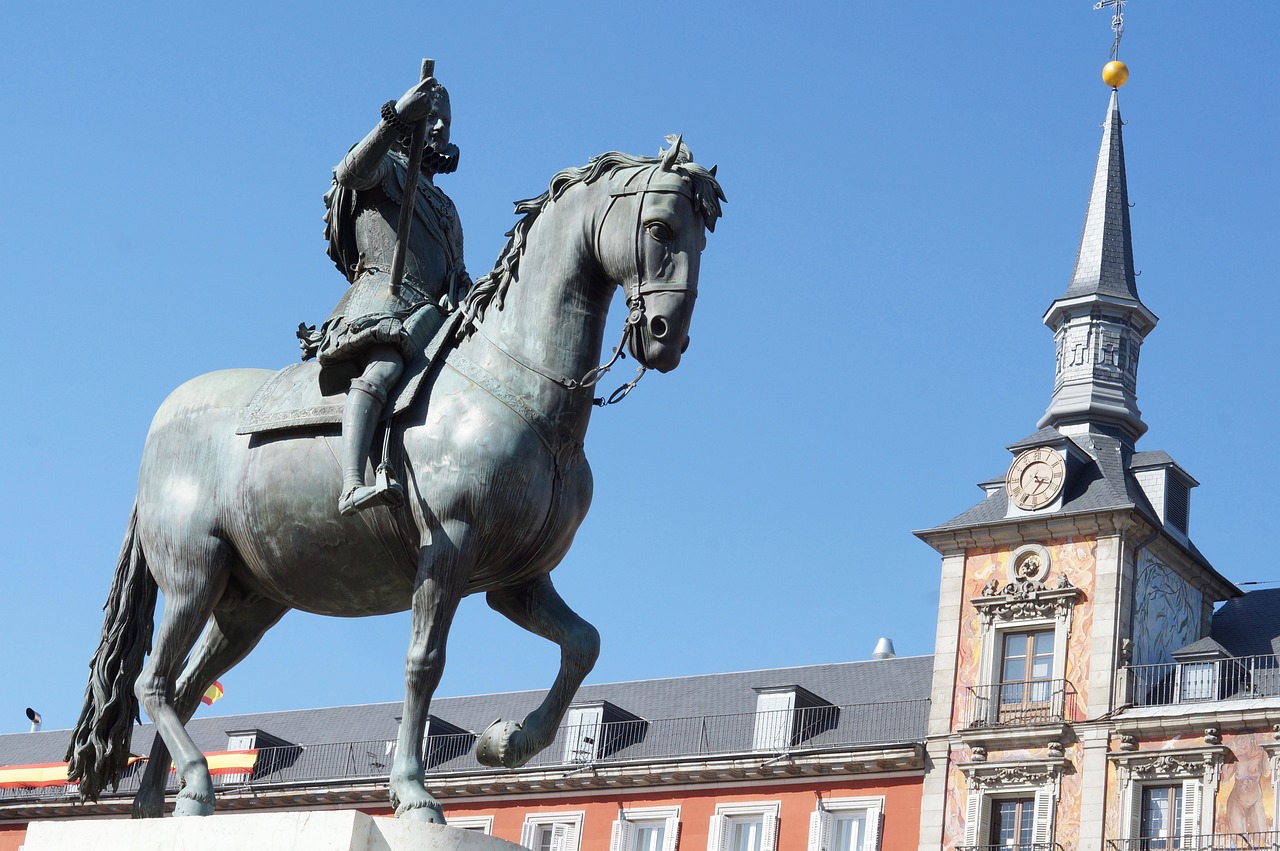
point(416, 103)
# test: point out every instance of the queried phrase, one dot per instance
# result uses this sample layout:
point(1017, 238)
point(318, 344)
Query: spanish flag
point(33, 776)
point(212, 694)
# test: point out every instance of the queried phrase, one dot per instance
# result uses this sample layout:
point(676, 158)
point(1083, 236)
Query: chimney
point(884, 649)
point(34, 717)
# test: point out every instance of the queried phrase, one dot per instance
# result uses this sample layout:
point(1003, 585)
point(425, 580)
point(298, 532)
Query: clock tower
point(1076, 566)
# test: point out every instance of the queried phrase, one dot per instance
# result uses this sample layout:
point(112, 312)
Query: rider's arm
point(362, 166)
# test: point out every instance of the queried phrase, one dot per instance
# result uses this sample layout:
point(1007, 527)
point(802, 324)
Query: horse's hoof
point(503, 745)
point(193, 804)
point(428, 811)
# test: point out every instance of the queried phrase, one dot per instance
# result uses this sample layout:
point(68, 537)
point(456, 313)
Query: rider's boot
point(360, 415)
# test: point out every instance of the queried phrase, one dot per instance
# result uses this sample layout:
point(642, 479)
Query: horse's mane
point(492, 288)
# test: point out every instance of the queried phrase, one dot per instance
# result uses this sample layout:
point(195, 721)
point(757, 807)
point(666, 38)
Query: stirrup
point(386, 491)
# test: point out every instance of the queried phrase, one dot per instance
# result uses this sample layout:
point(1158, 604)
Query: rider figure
point(373, 331)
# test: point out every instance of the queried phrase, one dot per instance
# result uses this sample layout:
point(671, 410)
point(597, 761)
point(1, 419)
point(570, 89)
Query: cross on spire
point(1117, 21)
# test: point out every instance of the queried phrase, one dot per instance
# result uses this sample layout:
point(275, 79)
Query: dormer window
point(1167, 487)
point(599, 729)
point(789, 715)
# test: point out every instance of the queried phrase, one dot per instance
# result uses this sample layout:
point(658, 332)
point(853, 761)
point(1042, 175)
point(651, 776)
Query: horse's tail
point(99, 749)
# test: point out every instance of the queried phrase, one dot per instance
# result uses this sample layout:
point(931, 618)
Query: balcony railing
point(1197, 682)
point(1017, 704)
point(802, 729)
point(1206, 842)
point(1017, 846)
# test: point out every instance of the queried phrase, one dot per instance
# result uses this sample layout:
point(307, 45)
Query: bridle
point(637, 287)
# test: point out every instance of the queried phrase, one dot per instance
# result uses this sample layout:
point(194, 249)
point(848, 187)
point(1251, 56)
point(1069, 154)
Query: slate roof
point(1104, 261)
point(1103, 484)
point(892, 693)
point(1249, 625)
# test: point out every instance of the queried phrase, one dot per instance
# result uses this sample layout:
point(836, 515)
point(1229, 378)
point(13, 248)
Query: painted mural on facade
point(1244, 801)
point(1076, 559)
point(1166, 612)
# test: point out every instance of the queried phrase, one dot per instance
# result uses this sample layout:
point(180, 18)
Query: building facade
point(823, 756)
point(1085, 695)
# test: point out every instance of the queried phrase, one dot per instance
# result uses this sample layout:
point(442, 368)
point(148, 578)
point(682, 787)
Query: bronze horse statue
point(237, 530)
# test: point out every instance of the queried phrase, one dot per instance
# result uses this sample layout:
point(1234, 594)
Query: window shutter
point(872, 841)
point(717, 836)
point(972, 814)
point(1135, 812)
point(769, 829)
point(570, 837)
point(527, 833)
point(672, 838)
point(620, 840)
point(1190, 808)
point(1043, 831)
point(819, 831)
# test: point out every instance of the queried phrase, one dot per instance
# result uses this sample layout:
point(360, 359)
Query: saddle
point(307, 396)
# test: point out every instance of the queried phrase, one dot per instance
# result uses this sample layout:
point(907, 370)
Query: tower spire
point(1099, 323)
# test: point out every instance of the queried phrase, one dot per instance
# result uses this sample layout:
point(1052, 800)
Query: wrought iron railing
point(1206, 842)
point(765, 733)
point(1017, 704)
point(1198, 682)
point(1017, 846)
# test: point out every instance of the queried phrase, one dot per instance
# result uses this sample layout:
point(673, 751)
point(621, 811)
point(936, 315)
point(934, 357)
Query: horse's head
point(649, 238)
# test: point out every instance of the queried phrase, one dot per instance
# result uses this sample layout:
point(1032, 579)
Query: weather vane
point(1115, 73)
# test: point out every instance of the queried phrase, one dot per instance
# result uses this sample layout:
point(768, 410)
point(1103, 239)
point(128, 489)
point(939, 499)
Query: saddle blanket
point(303, 396)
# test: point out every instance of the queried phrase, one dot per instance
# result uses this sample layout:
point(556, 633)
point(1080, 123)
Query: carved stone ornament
point(978, 753)
point(1029, 563)
point(1191, 762)
point(995, 775)
point(1128, 742)
point(1026, 599)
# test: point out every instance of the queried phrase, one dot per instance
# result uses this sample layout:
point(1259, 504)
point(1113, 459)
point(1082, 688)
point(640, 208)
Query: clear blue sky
point(906, 186)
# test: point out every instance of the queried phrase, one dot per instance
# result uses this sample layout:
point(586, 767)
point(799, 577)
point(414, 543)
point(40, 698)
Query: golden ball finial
point(1115, 73)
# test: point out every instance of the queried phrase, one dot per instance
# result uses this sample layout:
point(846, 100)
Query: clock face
point(1035, 478)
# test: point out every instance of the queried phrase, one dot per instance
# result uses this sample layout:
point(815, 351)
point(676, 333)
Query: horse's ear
point(713, 170)
point(672, 156)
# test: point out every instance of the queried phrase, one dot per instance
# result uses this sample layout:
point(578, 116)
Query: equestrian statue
point(261, 491)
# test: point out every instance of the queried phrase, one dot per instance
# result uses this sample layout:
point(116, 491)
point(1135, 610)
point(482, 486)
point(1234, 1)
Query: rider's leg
point(365, 401)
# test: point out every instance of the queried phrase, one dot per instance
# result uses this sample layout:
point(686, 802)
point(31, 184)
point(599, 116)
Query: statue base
point(319, 830)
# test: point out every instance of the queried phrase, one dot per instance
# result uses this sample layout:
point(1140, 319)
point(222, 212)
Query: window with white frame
point(551, 831)
point(647, 829)
point(744, 827)
point(1165, 794)
point(1011, 804)
point(846, 824)
point(474, 824)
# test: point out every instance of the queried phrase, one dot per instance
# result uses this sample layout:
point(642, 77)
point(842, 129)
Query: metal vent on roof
point(1177, 504)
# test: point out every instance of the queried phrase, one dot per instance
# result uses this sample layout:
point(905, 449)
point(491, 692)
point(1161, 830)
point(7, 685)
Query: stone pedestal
point(331, 830)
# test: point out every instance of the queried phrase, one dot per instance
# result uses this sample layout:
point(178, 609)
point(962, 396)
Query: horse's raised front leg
point(443, 567)
point(537, 607)
point(235, 629)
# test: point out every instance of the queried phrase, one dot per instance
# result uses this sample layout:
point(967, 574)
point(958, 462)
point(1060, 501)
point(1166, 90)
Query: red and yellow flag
point(212, 694)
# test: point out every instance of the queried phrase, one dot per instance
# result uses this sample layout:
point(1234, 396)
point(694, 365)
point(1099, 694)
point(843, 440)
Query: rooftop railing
point(1017, 704)
point(1198, 682)
point(767, 734)
point(1207, 842)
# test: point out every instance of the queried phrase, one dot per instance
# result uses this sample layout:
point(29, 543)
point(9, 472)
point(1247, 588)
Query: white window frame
point(480, 824)
point(992, 782)
point(623, 835)
point(1196, 770)
point(822, 821)
point(726, 815)
point(570, 837)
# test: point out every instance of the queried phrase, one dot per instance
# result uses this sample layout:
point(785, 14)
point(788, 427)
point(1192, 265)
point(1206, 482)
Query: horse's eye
point(660, 231)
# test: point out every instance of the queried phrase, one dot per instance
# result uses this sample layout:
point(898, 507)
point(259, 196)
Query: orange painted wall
point(900, 831)
point(12, 836)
